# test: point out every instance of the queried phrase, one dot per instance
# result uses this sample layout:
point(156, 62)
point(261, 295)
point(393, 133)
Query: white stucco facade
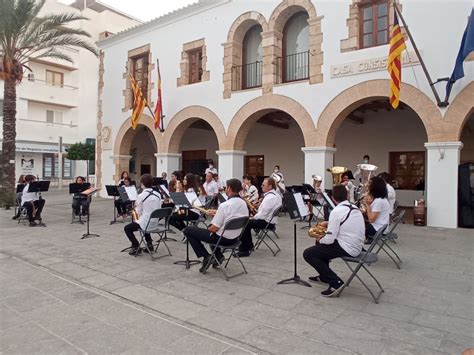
point(318, 136)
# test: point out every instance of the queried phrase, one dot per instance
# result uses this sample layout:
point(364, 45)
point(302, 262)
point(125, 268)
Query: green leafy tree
point(81, 151)
point(25, 35)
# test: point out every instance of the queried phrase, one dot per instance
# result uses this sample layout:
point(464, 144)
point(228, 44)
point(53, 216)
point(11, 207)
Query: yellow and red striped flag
point(139, 102)
point(394, 66)
point(159, 105)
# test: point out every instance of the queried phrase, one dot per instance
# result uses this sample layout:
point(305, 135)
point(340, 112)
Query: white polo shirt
point(145, 206)
point(252, 193)
point(351, 234)
point(271, 201)
point(382, 206)
point(211, 170)
point(211, 188)
point(233, 208)
point(392, 196)
point(28, 196)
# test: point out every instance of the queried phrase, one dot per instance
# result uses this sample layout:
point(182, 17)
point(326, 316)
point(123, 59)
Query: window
point(195, 65)
point(50, 165)
point(374, 24)
point(296, 48)
point(54, 78)
point(67, 171)
point(407, 170)
point(49, 116)
point(140, 73)
point(54, 117)
point(252, 58)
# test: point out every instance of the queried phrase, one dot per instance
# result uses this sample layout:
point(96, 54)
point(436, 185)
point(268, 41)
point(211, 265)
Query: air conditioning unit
point(31, 77)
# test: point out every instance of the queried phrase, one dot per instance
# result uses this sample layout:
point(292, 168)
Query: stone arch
point(280, 15)
point(248, 114)
point(233, 46)
point(124, 138)
point(458, 112)
point(344, 103)
point(174, 132)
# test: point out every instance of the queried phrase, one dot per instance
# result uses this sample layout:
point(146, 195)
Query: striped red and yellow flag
point(139, 102)
point(394, 66)
point(159, 105)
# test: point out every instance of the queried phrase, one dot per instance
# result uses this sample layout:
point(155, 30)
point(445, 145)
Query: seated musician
point(21, 181)
point(250, 192)
point(80, 201)
point(344, 237)
point(210, 185)
point(234, 207)
point(391, 194)
point(345, 180)
point(377, 207)
point(124, 176)
point(178, 219)
point(175, 176)
point(164, 178)
point(147, 201)
point(32, 202)
point(121, 206)
point(270, 203)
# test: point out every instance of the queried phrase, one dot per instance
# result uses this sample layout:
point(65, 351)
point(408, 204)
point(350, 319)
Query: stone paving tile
point(28, 300)
point(448, 324)
point(197, 344)
point(280, 300)
point(302, 324)
point(9, 318)
point(261, 313)
point(72, 294)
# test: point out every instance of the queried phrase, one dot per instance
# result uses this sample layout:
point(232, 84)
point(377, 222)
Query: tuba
point(337, 172)
point(367, 171)
point(276, 177)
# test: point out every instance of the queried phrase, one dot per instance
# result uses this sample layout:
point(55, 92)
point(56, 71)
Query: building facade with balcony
point(296, 83)
point(57, 100)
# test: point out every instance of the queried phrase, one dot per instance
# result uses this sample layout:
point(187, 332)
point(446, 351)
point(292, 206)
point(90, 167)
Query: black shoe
point(243, 254)
point(216, 264)
point(15, 217)
point(135, 251)
point(33, 224)
point(317, 279)
point(333, 291)
point(205, 264)
point(149, 249)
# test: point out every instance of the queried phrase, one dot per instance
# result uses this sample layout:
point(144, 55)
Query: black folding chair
point(160, 214)
point(22, 216)
point(264, 233)
point(232, 224)
point(391, 236)
point(363, 259)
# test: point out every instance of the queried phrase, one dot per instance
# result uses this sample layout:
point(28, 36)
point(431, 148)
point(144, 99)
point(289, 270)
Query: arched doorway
point(467, 138)
point(394, 141)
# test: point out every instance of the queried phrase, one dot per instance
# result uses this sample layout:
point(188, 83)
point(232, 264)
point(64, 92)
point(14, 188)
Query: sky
point(144, 9)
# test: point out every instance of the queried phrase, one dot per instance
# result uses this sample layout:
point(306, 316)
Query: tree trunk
point(7, 160)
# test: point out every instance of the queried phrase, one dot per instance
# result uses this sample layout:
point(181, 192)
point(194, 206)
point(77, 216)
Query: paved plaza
point(61, 294)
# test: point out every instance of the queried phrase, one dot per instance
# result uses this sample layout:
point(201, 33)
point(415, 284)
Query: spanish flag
point(394, 66)
point(158, 108)
point(139, 102)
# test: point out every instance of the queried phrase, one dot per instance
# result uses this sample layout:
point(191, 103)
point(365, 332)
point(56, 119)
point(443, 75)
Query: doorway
point(255, 165)
point(194, 161)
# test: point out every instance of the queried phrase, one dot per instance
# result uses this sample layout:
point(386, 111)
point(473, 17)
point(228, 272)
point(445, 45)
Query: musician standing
point(270, 203)
point(344, 237)
point(234, 207)
point(32, 202)
point(147, 201)
point(210, 168)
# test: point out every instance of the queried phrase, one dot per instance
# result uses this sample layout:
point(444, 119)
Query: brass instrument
point(337, 172)
point(206, 211)
point(367, 171)
point(317, 231)
point(316, 177)
point(135, 215)
point(253, 207)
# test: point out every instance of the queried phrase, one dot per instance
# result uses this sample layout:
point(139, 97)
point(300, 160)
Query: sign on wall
point(370, 65)
point(27, 165)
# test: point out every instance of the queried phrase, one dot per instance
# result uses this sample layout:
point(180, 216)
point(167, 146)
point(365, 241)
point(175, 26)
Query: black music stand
point(76, 188)
point(307, 189)
point(180, 200)
point(20, 187)
point(112, 190)
point(295, 212)
point(89, 193)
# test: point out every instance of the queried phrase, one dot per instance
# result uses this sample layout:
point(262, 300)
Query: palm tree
point(25, 35)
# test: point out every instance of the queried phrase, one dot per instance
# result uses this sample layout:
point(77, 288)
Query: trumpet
point(253, 207)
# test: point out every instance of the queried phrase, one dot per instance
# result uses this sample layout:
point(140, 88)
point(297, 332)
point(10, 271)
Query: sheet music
point(193, 199)
point(132, 192)
point(165, 190)
point(223, 194)
point(328, 200)
point(302, 208)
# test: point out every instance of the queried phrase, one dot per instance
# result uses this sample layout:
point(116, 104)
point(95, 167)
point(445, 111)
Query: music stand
point(89, 193)
point(307, 189)
point(180, 200)
point(112, 190)
point(20, 187)
point(76, 188)
point(39, 187)
point(296, 208)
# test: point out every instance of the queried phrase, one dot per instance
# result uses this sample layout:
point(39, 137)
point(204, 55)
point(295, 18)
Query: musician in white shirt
point(344, 237)
point(250, 191)
point(147, 201)
point(271, 202)
point(179, 219)
point(32, 201)
point(234, 207)
point(377, 207)
point(391, 194)
point(210, 186)
point(211, 169)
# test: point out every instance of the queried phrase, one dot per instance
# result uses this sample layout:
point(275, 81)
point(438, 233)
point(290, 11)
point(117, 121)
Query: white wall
point(280, 147)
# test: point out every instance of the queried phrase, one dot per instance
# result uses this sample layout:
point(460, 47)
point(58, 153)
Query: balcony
point(247, 76)
point(42, 92)
point(294, 67)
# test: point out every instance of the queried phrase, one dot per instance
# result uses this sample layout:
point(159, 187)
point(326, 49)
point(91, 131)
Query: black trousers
point(79, 203)
point(197, 235)
point(39, 204)
point(247, 243)
point(133, 227)
point(369, 229)
point(320, 255)
point(179, 220)
point(122, 206)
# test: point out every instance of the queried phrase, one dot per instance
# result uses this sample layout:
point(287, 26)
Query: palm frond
point(53, 53)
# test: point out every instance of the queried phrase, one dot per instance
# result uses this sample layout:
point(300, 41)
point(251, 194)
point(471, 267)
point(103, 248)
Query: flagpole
point(423, 66)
